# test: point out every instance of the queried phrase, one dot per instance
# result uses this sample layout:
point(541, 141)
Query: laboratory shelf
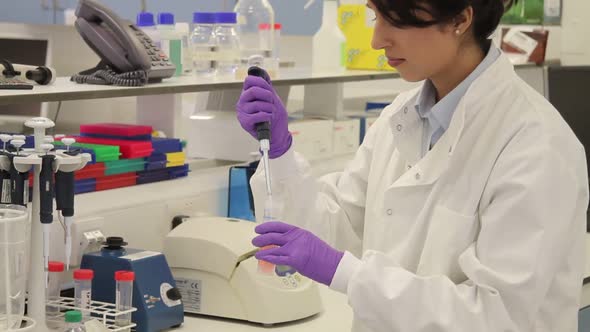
point(63, 89)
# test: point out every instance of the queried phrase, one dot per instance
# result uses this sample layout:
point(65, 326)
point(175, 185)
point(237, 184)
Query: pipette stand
point(31, 159)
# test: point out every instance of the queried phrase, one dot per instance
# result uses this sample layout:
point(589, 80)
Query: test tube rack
point(106, 313)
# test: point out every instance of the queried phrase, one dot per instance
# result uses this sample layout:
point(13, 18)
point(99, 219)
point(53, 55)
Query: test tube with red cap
point(83, 290)
point(55, 270)
point(270, 36)
point(124, 296)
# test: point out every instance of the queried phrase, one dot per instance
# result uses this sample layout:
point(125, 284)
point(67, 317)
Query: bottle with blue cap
point(171, 40)
point(204, 44)
point(147, 24)
point(228, 44)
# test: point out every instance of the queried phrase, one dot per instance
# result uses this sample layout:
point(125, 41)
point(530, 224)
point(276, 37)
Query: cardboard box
point(346, 136)
point(218, 135)
point(313, 137)
point(525, 45)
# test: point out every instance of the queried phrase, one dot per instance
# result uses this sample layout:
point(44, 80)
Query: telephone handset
point(132, 56)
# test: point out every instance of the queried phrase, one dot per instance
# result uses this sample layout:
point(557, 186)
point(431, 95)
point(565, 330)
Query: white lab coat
point(484, 233)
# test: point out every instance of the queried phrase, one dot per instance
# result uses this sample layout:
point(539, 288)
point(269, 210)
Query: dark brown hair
point(486, 13)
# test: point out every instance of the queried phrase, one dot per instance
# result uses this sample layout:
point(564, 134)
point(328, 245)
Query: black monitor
point(568, 88)
point(23, 51)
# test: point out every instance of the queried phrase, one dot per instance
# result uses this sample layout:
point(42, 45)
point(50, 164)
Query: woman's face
point(417, 53)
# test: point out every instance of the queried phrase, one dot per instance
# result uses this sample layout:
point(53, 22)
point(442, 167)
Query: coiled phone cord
point(104, 75)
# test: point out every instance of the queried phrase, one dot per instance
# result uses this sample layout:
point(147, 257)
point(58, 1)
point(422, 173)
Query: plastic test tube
point(269, 43)
point(124, 296)
point(83, 291)
point(53, 293)
point(270, 211)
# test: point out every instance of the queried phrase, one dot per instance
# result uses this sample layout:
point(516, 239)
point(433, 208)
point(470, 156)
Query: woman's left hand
point(299, 249)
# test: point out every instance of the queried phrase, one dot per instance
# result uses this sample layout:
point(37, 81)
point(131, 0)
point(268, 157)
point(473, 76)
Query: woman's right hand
point(260, 103)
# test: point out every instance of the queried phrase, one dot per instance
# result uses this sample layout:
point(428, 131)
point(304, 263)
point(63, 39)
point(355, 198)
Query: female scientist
point(463, 210)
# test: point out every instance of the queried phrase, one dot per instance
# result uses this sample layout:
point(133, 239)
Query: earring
point(457, 32)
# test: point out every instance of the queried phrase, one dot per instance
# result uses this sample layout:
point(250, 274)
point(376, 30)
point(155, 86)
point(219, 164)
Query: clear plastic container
point(124, 296)
point(14, 239)
point(270, 40)
point(203, 44)
point(147, 24)
point(83, 290)
point(183, 30)
point(73, 321)
point(272, 212)
point(251, 14)
point(228, 44)
point(170, 40)
point(56, 270)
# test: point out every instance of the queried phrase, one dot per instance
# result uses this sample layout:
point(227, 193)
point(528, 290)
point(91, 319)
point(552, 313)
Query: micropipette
point(263, 133)
point(46, 199)
point(19, 180)
point(5, 190)
point(64, 198)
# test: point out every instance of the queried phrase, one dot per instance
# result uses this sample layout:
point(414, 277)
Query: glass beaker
point(14, 230)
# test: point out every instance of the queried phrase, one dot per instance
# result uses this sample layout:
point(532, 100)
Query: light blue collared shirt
point(437, 116)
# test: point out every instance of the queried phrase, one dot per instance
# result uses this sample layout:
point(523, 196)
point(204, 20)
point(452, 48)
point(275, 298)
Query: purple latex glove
point(260, 103)
point(299, 249)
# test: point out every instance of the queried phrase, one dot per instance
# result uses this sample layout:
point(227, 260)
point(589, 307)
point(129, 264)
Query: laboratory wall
point(575, 37)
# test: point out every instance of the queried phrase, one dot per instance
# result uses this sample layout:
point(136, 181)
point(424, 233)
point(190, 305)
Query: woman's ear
point(463, 21)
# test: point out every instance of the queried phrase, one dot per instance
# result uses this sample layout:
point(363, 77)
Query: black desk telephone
point(129, 56)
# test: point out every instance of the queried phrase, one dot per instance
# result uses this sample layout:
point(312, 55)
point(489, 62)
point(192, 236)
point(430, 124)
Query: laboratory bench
point(336, 316)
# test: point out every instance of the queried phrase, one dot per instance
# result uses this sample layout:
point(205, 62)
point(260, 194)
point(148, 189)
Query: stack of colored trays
point(101, 153)
point(139, 158)
point(166, 163)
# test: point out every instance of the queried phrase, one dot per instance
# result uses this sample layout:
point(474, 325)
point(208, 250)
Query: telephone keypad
point(156, 55)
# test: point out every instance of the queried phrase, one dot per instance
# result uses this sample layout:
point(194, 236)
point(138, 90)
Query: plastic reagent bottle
point(170, 40)
point(204, 44)
point(228, 44)
point(251, 14)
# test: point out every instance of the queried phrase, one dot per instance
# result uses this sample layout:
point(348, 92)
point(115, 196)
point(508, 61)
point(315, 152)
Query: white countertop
point(337, 316)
